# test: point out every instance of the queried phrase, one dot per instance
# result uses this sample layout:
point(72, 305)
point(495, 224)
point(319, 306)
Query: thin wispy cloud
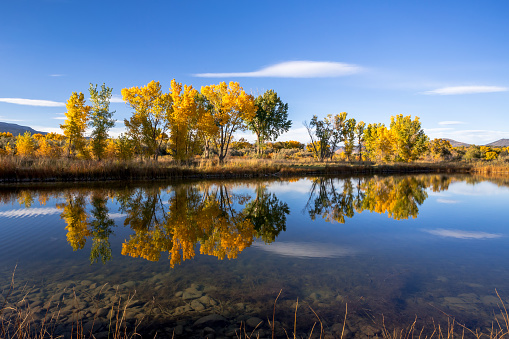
point(305, 250)
point(447, 201)
point(440, 129)
point(457, 90)
point(32, 102)
point(57, 75)
point(8, 119)
point(451, 123)
point(116, 99)
point(459, 234)
point(294, 69)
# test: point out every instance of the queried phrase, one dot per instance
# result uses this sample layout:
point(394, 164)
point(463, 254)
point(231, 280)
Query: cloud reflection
point(29, 212)
point(447, 201)
point(305, 250)
point(459, 234)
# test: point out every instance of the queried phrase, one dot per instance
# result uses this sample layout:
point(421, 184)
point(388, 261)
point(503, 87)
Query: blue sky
point(446, 62)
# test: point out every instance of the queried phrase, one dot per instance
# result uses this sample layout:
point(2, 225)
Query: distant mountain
point(499, 143)
point(17, 129)
point(455, 143)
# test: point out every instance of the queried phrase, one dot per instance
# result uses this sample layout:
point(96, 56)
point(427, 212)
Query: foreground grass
point(15, 169)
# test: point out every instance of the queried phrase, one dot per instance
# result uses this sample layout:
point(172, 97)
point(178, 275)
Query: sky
point(446, 62)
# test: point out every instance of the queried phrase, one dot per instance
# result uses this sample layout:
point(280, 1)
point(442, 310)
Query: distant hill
point(499, 143)
point(17, 129)
point(455, 143)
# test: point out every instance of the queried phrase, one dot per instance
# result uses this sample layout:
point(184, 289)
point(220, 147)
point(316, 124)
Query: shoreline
point(65, 170)
point(76, 171)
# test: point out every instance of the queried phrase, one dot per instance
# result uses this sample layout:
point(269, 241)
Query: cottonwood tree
point(270, 120)
point(151, 117)
point(379, 142)
point(75, 123)
point(326, 134)
point(101, 119)
point(25, 144)
point(410, 139)
point(359, 132)
point(348, 136)
point(230, 107)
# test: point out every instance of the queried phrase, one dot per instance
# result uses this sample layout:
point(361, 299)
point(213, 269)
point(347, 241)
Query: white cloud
point(459, 234)
point(451, 123)
point(440, 129)
point(57, 75)
point(31, 102)
point(447, 201)
point(47, 129)
point(115, 98)
point(29, 212)
point(455, 90)
point(59, 118)
point(305, 250)
point(11, 120)
point(294, 69)
point(478, 137)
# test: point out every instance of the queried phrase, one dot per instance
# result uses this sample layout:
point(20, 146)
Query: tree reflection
point(398, 197)
point(100, 228)
point(202, 215)
point(329, 201)
point(75, 216)
point(179, 220)
point(267, 213)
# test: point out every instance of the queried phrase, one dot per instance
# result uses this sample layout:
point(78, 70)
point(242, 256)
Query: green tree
point(359, 132)
point(348, 136)
point(101, 119)
point(270, 120)
point(326, 134)
point(410, 140)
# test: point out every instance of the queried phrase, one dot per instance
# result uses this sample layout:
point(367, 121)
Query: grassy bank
point(15, 169)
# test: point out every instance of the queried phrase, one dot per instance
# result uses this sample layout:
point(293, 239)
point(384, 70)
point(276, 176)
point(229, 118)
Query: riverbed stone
point(191, 294)
point(178, 330)
point(211, 320)
point(253, 322)
point(197, 306)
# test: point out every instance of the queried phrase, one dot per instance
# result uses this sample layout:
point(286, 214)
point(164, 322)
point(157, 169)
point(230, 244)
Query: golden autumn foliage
point(230, 108)
point(151, 116)
point(189, 122)
point(75, 123)
point(25, 145)
point(74, 215)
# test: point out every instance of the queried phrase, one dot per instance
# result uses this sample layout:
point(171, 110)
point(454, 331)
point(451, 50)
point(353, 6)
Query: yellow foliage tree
point(75, 123)
point(151, 117)
point(25, 145)
point(185, 118)
point(230, 108)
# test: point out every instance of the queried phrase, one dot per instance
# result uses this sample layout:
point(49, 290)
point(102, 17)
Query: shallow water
point(427, 246)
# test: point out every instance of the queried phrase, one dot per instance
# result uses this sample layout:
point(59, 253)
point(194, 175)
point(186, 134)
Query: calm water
point(401, 247)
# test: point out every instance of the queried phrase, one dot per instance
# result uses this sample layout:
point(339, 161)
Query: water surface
point(400, 246)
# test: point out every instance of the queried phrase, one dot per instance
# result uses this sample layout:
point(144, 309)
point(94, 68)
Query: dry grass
point(17, 320)
point(16, 169)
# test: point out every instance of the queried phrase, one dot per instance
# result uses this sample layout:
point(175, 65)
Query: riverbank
point(84, 309)
point(15, 170)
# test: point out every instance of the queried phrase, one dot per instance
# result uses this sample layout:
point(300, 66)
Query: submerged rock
point(212, 320)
